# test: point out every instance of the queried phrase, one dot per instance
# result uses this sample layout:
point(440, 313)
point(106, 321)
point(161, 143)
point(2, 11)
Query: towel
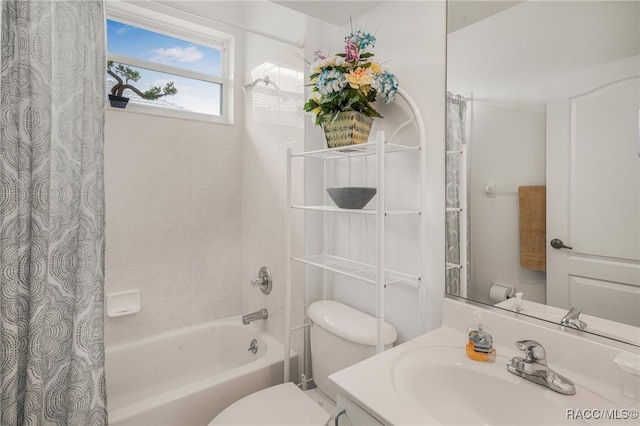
point(533, 227)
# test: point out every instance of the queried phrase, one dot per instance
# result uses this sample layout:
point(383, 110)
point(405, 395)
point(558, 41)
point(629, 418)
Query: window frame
point(188, 31)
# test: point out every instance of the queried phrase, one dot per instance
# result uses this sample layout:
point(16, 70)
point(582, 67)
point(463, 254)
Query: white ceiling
point(332, 11)
point(461, 13)
point(513, 54)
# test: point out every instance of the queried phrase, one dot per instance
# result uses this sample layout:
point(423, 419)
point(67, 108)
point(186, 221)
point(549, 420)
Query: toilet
point(340, 336)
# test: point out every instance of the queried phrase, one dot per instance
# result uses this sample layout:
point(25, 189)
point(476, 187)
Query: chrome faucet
point(264, 280)
point(571, 320)
point(533, 367)
point(254, 316)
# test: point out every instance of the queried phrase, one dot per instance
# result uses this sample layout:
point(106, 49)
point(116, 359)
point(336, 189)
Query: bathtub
point(188, 376)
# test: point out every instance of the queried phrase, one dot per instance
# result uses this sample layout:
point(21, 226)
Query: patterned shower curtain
point(52, 221)
point(456, 116)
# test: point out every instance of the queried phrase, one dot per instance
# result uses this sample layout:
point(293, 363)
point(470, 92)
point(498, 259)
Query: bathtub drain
point(253, 346)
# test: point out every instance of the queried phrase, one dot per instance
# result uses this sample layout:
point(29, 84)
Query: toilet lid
point(281, 405)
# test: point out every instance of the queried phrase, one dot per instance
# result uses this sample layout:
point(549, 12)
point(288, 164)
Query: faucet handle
point(572, 319)
point(533, 351)
point(264, 281)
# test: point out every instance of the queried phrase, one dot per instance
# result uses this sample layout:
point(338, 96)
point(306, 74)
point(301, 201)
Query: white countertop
point(590, 365)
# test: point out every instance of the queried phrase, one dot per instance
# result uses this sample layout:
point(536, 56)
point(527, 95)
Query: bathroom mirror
point(545, 95)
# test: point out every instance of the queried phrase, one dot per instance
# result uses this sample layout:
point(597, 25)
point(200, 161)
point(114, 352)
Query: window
point(169, 73)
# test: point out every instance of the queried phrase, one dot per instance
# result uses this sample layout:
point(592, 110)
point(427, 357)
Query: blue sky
point(195, 95)
point(139, 43)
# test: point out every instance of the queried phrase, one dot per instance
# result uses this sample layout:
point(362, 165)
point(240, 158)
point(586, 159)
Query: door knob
point(557, 243)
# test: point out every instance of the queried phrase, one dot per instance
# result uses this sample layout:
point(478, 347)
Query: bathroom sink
point(439, 380)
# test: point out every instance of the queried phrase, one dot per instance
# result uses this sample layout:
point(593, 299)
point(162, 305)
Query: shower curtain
point(456, 116)
point(52, 92)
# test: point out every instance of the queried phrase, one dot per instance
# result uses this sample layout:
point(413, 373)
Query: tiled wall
point(195, 209)
point(273, 123)
point(174, 229)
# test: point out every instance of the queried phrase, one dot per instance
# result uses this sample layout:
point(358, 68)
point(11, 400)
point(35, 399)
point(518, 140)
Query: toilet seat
point(283, 405)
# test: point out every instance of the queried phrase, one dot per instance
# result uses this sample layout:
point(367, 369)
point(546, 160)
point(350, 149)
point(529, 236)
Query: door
point(593, 191)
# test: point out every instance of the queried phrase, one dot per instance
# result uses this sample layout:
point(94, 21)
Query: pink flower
point(317, 55)
point(351, 50)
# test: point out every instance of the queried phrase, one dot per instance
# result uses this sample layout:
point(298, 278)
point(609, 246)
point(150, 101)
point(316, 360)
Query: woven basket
point(347, 128)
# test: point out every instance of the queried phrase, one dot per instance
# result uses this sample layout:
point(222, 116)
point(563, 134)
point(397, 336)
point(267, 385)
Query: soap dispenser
point(517, 303)
point(480, 345)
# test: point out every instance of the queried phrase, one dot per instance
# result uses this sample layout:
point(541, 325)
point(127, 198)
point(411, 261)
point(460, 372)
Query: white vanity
point(430, 380)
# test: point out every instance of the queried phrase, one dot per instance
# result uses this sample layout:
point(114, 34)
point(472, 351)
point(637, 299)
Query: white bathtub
point(188, 376)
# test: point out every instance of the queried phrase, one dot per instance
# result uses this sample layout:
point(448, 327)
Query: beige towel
point(533, 228)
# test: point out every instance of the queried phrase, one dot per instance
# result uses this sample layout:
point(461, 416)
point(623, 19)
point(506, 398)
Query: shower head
point(284, 96)
point(253, 84)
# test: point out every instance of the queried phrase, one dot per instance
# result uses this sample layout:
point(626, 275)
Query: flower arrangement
point(349, 81)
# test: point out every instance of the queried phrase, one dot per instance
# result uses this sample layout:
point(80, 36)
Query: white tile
point(147, 280)
point(233, 285)
point(220, 138)
point(142, 245)
point(157, 319)
point(116, 242)
point(172, 204)
point(212, 166)
point(232, 202)
point(206, 308)
point(232, 238)
point(208, 276)
point(114, 149)
point(113, 281)
point(177, 242)
point(194, 210)
point(250, 211)
point(275, 237)
point(207, 239)
point(112, 331)
point(158, 164)
point(232, 274)
point(229, 305)
point(176, 281)
point(208, 203)
point(275, 324)
point(155, 204)
point(116, 205)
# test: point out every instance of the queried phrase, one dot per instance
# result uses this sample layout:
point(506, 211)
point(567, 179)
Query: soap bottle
point(480, 341)
point(517, 303)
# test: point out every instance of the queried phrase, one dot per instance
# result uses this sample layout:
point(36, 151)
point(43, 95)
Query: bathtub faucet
point(257, 315)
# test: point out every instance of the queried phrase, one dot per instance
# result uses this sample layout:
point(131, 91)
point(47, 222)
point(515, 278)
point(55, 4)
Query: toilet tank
point(340, 337)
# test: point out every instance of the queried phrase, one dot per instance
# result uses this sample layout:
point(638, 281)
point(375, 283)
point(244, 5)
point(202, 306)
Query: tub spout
point(258, 315)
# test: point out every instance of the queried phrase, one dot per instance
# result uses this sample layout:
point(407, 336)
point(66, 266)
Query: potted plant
point(123, 75)
point(345, 87)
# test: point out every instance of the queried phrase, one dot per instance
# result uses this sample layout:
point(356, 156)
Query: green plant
point(124, 74)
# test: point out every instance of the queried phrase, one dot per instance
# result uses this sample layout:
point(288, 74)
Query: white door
point(593, 191)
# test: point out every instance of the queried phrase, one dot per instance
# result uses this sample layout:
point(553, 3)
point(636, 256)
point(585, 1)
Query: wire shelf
point(370, 212)
point(361, 271)
point(360, 150)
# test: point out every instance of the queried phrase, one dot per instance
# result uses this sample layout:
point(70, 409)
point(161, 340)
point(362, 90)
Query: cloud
point(123, 29)
point(177, 54)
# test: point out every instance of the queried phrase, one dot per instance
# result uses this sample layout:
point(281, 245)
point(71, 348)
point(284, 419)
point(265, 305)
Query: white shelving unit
point(377, 273)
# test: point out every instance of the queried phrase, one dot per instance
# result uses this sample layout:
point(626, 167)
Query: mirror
point(543, 143)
